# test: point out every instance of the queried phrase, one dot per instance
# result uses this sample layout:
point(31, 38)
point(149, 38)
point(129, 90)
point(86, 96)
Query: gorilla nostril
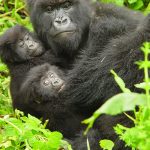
point(64, 21)
point(58, 22)
point(61, 21)
point(56, 82)
point(31, 46)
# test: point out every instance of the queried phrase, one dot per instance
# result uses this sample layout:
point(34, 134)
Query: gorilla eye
point(49, 9)
point(46, 82)
point(26, 37)
point(50, 74)
point(66, 5)
point(21, 43)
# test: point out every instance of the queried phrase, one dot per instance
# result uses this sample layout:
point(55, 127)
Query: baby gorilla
point(18, 45)
point(43, 84)
point(21, 50)
point(44, 87)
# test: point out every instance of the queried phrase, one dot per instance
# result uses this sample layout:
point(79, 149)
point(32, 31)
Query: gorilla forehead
point(14, 34)
point(53, 2)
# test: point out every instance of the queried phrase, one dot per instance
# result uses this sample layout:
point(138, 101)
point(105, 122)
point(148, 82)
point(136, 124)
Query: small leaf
point(106, 144)
point(131, 1)
point(142, 85)
point(137, 5)
point(120, 82)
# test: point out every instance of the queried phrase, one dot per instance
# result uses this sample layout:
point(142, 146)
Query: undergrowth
point(137, 137)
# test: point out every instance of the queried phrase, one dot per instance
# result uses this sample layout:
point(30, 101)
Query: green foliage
point(21, 132)
point(5, 98)
point(137, 137)
point(106, 144)
point(11, 13)
point(116, 105)
point(143, 5)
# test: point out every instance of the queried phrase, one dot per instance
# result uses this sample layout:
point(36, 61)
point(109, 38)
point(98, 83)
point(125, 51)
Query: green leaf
point(117, 2)
point(132, 1)
point(55, 139)
point(147, 10)
point(116, 105)
point(120, 82)
point(142, 85)
point(106, 144)
point(3, 67)
point(137, 5)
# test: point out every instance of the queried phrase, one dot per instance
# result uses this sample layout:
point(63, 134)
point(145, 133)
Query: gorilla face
point(18, 44)
point(61, 23)
point(52, 81)
point(27, 47)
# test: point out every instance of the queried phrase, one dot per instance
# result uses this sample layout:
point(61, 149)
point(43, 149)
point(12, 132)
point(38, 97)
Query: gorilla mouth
point(64, 33)
point(36, 52)
point(61, 88)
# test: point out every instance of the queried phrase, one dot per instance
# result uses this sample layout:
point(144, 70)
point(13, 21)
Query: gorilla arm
point(90, 83)
point(91, 77)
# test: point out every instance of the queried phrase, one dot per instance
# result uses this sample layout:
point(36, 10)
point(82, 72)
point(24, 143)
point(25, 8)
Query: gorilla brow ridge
point(53, 2)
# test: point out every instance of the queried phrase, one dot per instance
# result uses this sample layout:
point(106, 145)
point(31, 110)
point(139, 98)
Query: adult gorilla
point(88, 40)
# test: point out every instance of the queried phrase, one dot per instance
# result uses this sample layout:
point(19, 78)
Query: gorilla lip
point(61, 88)
point(36, 52)
point(64, 32)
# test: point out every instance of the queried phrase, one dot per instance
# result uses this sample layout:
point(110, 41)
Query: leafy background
point(16, 130)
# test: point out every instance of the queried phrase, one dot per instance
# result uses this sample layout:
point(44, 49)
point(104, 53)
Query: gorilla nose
point(62, 22)
point(32, 45)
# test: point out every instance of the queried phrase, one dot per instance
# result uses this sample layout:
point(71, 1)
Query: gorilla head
point(61, 24)
point(18, 44)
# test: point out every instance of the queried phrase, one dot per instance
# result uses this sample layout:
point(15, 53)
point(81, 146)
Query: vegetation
point(17, 130)
point(20, 132)
point(143, 5)
point(137, 137)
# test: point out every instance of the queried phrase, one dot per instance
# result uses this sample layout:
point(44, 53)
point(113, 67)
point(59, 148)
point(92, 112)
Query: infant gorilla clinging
point(19, 49)
point(25, 57)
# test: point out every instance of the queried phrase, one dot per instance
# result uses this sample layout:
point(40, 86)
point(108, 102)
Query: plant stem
point(16, 2)
point(12, 125)
point(147, 78)
point(5, 14)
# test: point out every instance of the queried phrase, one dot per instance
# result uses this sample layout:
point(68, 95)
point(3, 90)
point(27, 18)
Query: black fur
point(107, 37)
point(27, 92)
point(20, 62)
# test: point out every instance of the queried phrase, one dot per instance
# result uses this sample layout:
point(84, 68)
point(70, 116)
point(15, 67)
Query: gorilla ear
point(5, 51)
point(30, 4)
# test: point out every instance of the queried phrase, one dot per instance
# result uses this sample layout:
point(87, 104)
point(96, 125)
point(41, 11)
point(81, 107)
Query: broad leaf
point(116, 105)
